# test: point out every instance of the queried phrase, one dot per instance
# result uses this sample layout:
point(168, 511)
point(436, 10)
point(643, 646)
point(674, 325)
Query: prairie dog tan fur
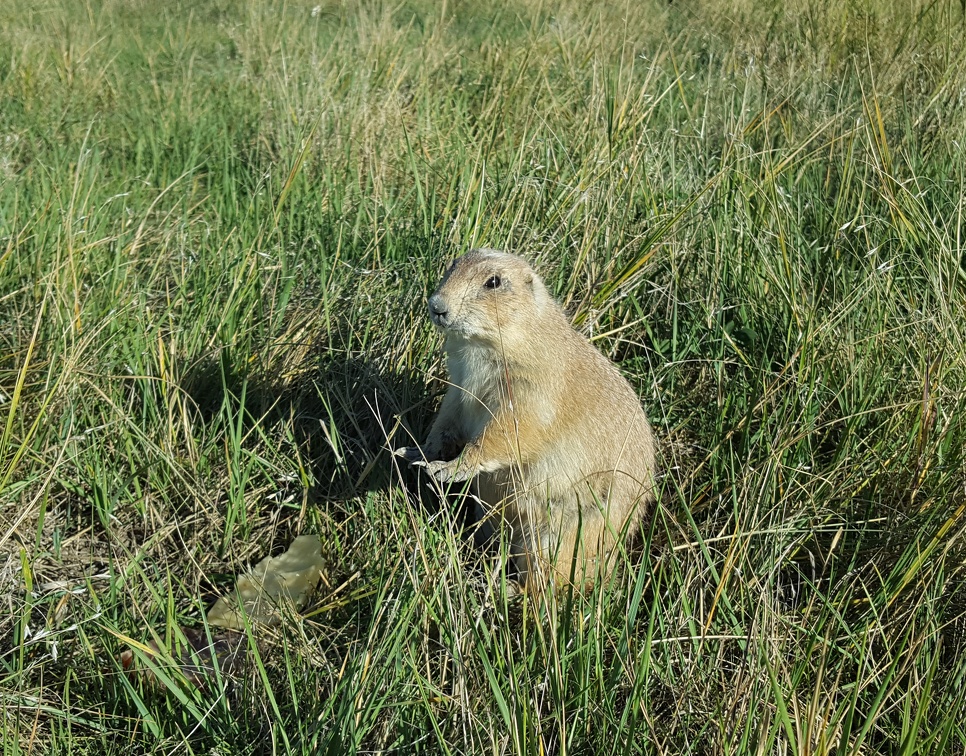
point(554, 437)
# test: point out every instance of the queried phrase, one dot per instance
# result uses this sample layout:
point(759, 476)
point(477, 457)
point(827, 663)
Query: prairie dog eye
point(493, 282)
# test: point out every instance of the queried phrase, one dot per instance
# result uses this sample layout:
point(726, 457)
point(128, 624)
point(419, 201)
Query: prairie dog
point(554, 437)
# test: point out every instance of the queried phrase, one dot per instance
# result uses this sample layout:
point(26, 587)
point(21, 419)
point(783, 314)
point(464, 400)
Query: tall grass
point(219, 223)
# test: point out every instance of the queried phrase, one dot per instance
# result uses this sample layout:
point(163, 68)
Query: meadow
point(220, 221)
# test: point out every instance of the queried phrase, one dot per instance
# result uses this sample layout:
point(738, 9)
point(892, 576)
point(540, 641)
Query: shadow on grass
point(340, 416)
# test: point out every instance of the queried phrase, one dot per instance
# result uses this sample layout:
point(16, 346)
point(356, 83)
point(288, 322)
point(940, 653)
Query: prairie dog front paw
point(446, 472)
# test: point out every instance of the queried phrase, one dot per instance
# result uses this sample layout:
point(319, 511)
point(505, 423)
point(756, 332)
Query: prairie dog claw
point(412, 454)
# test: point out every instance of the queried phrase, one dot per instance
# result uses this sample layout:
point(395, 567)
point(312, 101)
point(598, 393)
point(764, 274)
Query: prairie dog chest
point(481, 383)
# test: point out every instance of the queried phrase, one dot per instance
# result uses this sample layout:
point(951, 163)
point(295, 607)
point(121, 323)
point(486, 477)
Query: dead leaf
point(288, 578)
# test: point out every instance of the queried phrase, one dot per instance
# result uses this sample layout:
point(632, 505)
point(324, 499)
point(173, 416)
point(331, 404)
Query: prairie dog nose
point(438, 311)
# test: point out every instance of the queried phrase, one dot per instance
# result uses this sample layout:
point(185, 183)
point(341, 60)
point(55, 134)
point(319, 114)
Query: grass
point(219, 224)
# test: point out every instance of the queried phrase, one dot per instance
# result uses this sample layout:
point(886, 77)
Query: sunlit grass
point(219, 223)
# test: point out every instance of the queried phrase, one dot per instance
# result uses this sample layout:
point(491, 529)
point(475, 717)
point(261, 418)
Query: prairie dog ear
point(540, 294)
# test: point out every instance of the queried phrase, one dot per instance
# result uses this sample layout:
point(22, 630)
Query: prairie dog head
point(489, 297)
